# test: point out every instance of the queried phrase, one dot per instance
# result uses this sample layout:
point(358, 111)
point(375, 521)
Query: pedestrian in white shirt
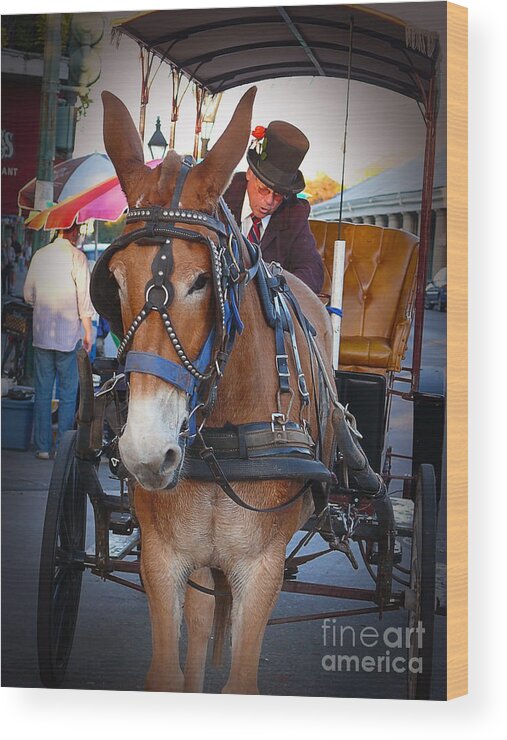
point(57, 285)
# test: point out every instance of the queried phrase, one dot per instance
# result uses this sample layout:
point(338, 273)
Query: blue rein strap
point(334, 310)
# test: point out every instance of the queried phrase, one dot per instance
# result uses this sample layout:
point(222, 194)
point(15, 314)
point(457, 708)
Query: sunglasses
point(266, 192)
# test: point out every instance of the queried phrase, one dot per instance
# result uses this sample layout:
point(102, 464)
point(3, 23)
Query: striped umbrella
point(70, 178)
point(103, 202)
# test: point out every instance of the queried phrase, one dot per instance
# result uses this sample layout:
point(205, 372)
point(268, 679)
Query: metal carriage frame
point(350, 516)
point(409, 60)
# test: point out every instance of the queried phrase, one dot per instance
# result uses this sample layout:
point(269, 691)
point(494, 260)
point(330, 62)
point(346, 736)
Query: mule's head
point(151, 444)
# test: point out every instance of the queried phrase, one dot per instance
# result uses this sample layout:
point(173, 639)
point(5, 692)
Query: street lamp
point(157, 144)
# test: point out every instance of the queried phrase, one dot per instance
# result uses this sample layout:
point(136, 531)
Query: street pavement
point(112, 641)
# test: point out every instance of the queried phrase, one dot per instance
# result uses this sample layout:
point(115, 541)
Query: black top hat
point(276, 165)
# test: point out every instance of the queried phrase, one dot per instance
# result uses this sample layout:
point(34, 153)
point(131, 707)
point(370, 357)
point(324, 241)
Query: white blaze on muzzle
point(150, 444)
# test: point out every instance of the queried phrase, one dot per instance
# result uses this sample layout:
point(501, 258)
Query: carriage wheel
point(62, 564)
point(422, 583)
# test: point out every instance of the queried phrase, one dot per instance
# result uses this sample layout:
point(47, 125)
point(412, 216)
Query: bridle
point(229, 276)
point(199, 378)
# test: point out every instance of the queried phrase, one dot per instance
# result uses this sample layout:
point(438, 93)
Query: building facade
point(393, 199)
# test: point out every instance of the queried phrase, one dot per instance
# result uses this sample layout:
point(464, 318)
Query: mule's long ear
point(220, 162)
point(123, 143)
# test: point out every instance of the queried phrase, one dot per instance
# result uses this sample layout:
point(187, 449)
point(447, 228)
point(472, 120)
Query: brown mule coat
point(194, 527)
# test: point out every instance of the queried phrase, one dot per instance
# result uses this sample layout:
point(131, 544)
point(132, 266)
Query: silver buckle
point(279, 419)
point(302, 386)
point(277, 360)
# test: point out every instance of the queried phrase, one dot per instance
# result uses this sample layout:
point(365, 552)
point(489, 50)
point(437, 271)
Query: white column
point(368, 219)
point(440, 241)
point(380, 220)
point(393, 220)
point(409, 221)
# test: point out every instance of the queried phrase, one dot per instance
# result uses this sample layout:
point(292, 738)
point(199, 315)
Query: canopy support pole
point(176, 76)
point(304, 45)
point(207, 114)
point(340, 245)
point(201, 95)
point(147, 58)
point(425, 228)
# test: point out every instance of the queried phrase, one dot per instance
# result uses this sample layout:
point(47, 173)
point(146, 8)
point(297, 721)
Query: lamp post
point(157, 144)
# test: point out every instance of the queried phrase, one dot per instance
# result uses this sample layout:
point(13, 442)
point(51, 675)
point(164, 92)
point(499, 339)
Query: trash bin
point(17, 421)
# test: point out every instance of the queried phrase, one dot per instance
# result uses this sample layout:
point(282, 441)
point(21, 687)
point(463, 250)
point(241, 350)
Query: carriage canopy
point(221, 48)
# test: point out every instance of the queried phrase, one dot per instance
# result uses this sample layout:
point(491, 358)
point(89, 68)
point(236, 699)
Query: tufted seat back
point(378, 292)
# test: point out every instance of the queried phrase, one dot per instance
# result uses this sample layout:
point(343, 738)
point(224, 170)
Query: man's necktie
point(254, 235)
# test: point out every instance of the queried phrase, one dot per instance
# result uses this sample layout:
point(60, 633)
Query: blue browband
point(172, 372)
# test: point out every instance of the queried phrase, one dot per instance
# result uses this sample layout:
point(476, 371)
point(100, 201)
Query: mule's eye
point(200, 282)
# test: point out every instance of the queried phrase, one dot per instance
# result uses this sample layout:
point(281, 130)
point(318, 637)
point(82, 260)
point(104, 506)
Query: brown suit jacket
point(287, 239)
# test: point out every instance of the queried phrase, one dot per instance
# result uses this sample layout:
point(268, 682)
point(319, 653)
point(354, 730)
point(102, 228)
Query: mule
point(191, 528)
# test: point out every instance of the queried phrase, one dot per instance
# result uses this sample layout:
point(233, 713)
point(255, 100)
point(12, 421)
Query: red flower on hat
point(259, 132)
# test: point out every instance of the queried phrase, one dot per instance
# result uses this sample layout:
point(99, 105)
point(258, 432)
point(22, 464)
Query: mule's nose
point(172, 460)
point(154, 469)
point(150, 444)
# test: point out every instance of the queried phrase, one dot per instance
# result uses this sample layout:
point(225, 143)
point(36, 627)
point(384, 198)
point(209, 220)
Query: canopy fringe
point(419, 40)
point(116, 34)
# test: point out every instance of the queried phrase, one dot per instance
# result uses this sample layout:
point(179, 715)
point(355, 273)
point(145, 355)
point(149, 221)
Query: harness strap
point(208, 455)
point(159, 214)
point(256, 439)
point(253, 250)
point(322, 367)
point(281, 357)
point(303, 390)
point(186, 166)
point(309, 334)
point(163, 263)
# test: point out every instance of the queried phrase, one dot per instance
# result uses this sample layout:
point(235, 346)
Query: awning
point(221, 48)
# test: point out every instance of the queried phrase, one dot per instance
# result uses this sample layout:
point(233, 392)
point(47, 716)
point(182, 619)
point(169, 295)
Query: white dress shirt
point(246, 218)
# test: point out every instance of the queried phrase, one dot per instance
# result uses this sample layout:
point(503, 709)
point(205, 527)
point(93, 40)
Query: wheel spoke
point(61, 567)
point(422, 581)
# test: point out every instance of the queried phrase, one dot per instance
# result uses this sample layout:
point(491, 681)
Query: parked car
point(436, 291)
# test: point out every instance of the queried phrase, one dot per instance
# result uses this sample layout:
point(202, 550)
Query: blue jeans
point(47, 364)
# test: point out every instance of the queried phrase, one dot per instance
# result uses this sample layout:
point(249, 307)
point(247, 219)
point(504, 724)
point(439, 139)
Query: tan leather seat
point(378, 292)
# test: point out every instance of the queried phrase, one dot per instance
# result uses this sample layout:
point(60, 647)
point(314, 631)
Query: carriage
point(383, 299)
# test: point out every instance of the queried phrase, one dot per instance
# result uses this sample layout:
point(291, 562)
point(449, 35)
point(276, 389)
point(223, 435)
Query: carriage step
point(374, 556)
point(403, 510)
point(121, 523)
point(121, 545)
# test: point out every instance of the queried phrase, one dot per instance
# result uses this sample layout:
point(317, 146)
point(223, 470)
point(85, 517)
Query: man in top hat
point(264, 201)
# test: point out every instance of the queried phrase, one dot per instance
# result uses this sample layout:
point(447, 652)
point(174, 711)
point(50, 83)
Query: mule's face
point(151, 445)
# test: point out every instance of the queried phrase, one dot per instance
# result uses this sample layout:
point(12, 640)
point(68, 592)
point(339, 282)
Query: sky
point(385, 129)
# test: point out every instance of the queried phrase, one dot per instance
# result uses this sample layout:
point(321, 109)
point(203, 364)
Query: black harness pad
point(104, 291)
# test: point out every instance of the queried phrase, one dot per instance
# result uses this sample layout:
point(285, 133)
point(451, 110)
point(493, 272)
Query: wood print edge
point(457, 356)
